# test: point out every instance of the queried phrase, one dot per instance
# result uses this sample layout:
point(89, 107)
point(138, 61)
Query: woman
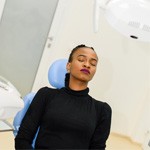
point(69, 118)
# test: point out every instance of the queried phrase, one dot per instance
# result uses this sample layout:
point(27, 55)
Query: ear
point(68, 67)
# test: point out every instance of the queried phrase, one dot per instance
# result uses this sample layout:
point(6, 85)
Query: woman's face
point(83, 65)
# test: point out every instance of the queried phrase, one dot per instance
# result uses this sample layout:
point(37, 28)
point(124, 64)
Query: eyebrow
point(86, 56)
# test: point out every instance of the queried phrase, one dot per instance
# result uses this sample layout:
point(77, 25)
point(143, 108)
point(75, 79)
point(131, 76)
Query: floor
point(115, 142)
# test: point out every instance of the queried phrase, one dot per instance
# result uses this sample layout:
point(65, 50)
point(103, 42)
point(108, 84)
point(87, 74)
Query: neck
point(77, 85)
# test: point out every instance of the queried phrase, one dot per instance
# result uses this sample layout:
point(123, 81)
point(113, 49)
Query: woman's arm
point(102, 130)
point(31, 121)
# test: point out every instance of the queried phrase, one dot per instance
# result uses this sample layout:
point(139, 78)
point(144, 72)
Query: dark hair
point(76, 48)
point(67, 77)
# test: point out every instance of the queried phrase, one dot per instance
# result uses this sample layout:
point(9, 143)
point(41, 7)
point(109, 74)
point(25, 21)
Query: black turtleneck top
point(68, 119)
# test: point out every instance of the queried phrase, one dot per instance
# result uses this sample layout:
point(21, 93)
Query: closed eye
point(81, 58)
point(93, 62)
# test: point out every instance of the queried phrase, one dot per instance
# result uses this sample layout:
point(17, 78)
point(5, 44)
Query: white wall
point(122, 77)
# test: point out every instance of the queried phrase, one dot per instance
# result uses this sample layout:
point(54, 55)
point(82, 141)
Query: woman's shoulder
point(47, 89)
point(102, 106)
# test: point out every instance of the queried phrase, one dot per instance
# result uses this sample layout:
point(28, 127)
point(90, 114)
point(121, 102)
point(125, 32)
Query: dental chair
point(56, 78)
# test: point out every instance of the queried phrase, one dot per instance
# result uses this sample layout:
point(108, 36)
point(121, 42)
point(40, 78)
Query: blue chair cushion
point(19, 116)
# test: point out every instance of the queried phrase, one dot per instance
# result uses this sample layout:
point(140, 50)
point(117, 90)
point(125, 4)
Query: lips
point(85, 71)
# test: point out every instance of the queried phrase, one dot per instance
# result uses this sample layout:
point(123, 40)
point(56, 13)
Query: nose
point(86, 64)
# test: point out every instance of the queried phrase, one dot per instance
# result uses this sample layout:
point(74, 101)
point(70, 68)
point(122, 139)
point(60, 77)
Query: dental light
point(130, 17)
point(10, 100)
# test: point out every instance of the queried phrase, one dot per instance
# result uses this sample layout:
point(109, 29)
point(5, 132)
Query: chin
point(86, 80)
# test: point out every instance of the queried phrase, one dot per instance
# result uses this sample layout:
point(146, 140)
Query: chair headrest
point(57, 72)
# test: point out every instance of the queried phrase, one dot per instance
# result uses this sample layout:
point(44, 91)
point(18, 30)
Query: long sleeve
point(102, 130)
point(31, 121)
